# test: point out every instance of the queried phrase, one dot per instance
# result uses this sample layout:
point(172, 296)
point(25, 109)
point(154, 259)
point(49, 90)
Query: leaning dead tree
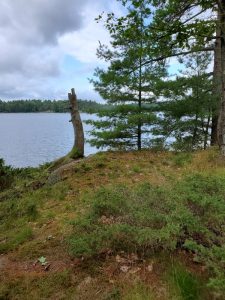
point(78, 147)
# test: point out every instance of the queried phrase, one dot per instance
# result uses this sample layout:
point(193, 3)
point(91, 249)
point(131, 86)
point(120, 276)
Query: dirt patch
point(3, 262)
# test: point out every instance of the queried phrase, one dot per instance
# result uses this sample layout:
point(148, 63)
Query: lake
point(31, 139)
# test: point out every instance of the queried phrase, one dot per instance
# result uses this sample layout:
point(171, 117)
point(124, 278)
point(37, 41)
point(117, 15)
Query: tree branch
point(177, 54)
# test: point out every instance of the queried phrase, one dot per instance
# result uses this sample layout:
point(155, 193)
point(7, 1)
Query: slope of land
point(116, 225)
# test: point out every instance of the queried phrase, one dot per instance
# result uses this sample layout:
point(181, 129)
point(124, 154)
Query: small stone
point(150, 268)
point(124, 269)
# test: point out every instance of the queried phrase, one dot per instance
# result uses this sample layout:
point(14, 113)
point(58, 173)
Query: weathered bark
point(139, 106)
point(78, 147)
point(221, 65)
point(217, 86)
point(206, 133)
point(194, 135)
point(214, 139)
point(139, 131)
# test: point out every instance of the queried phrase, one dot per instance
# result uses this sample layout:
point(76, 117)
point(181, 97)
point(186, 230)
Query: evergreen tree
point(187, 105)
point(128, 84)
point(172, 29)
point(181, 27)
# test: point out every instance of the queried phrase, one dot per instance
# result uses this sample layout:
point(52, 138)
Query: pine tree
point(181, 27)
point(187, 105)
point(127, 83)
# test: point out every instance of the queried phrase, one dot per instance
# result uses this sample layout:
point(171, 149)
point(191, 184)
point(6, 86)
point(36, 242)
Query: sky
point(49, 46)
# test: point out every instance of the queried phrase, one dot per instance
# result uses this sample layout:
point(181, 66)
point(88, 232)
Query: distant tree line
point(59, 106)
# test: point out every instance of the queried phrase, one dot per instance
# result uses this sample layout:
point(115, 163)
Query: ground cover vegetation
point(118, 225)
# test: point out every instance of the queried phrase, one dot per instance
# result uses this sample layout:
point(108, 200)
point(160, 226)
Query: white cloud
point(36, 35)
point(83, 43)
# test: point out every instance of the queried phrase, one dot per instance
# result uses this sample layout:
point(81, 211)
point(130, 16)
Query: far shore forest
point(57, 106)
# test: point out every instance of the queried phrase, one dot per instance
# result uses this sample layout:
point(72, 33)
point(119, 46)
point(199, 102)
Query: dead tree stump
point(78, 147)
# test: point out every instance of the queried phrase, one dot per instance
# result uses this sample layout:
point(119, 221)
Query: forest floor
point(117, 225)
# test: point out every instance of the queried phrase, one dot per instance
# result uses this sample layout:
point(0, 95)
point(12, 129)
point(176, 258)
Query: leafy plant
point(42, 260)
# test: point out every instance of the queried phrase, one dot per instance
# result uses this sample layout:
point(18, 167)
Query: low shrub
point(145, 219)
point(6, 175)
point(180, 159)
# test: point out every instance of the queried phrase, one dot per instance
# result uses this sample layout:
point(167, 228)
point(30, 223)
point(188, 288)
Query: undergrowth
point(185, 284)
point(146, 219)
point(122, 204)
point(6, 175)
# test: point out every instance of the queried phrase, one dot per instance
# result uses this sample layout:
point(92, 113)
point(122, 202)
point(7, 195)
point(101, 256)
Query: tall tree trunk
point(194, 131)
point(214, 140)
point(139, 142)
point(139, 106)
point(217, 86)
point(206, 133)
point(78, 147)
point(221, 119)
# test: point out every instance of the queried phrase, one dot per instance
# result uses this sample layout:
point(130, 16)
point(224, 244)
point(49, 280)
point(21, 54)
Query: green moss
point(75, 153)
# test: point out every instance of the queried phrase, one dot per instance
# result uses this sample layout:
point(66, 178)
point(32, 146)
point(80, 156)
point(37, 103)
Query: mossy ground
point(37, 219)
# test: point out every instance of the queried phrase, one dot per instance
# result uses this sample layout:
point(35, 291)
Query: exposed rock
point(61, 173)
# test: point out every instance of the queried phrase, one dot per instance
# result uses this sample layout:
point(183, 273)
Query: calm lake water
point(31, 139)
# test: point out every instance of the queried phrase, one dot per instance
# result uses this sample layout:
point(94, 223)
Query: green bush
point(6, 175)
point(180, 159)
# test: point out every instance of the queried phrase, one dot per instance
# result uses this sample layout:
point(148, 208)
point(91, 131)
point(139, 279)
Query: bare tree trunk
point(78, 147)
point(221, 119)
point(206, 133)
